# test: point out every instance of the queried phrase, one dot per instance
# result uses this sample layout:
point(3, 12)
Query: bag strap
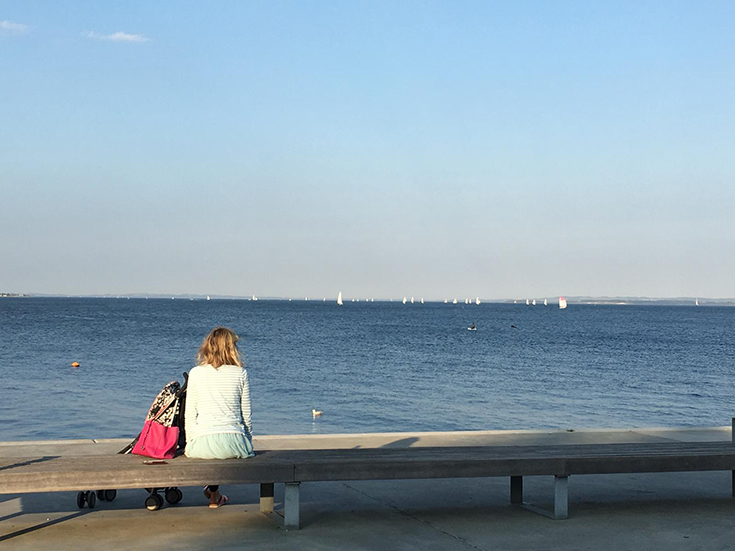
point(164, 408)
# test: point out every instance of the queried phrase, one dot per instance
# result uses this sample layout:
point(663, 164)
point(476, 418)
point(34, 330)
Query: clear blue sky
point(436, 149)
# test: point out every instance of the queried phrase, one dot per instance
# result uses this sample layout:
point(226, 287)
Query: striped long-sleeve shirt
point(218, 401)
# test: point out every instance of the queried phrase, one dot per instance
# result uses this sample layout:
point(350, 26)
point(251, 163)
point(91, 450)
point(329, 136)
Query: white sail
point(411, 300)
point(477, 301)
point(255, 298)
point(546, 302)
point(422, 300)
point(404, 300)
point(533, 302)
point(445, 301)
point(454, 301)
point(527, 303)
point(339, 299)
point(208, 298)
point(696, 302)
point(562, 303)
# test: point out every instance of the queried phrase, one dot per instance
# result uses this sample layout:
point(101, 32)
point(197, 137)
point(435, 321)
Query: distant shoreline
point(571, 300)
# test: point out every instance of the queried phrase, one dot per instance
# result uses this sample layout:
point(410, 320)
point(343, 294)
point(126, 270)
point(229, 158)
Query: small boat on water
point(562, 303)
point(477, 301)
point(696, 302)
point(404, 300)
point(527, 302)
point(208, 298)
point(534, 302)
point(546, 302)
point(339, 299)
point(454, 301)
point(254, 298)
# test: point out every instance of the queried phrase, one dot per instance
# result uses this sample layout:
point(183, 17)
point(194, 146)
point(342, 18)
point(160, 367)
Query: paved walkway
point(680, 511)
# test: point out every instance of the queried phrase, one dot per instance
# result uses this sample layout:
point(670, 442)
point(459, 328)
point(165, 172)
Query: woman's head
point(219, 348)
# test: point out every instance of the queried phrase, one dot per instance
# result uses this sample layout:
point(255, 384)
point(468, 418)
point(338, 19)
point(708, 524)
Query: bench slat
point(70, 473)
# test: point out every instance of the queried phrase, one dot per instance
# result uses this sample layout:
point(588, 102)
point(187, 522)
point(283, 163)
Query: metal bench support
point(266, 497)
point(561, 497)
point(516, 490)
point(733, 472)
point(291, 506)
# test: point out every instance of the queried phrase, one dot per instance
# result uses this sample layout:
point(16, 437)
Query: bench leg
point(561, 497)
point(516, 490)
point(266, 497)
point(291, 506)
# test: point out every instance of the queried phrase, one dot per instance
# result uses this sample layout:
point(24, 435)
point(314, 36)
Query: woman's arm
point(245, 403)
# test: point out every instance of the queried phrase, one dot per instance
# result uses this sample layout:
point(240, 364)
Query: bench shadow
point(402, 443)
point(29, 462)
point(39, 526)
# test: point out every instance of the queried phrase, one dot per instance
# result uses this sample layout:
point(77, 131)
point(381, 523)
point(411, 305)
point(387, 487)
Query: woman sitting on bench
point(217, 416)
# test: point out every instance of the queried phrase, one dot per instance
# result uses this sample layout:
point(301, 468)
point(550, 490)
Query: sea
point(369, 366)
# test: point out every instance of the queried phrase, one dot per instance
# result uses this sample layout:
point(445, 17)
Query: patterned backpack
point(163, 431)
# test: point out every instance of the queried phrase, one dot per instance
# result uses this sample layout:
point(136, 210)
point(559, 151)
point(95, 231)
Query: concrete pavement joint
point(414, 517)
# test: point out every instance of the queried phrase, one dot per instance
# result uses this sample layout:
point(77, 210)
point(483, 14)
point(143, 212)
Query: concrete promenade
point(677, 511)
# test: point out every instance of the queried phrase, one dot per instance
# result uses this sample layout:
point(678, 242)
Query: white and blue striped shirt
point(218, 401)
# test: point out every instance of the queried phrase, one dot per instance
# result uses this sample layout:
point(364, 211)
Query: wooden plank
point(126, 471)
point(36, 474)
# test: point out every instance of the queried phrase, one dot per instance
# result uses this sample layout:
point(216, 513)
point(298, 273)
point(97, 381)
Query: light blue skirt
point(224, 445)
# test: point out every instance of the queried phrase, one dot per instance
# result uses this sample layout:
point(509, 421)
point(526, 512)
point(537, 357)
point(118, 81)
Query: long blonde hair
point(219, 348)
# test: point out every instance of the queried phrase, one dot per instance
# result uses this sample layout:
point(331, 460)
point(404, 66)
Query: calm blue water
point(369, 366)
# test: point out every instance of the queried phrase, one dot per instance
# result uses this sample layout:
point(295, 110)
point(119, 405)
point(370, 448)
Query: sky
point(435, 149)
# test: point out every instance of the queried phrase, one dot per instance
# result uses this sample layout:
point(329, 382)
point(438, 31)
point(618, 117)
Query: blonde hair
point(219, 348)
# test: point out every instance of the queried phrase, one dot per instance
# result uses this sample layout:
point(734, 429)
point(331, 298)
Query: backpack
point(163, 430)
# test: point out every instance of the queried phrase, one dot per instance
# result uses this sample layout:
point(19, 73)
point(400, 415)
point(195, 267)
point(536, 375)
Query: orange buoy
point(75, 364)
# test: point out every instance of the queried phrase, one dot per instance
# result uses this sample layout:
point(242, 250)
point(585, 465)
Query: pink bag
point(157, 440)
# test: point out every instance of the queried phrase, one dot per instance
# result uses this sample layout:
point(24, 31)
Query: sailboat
point(339, 299)
point(527, 303)
point(208, 298)
point(545, 303)
point(477, 301)
point(422, 300)
point(454, 301)
point(404, 300)
point(411, 300)
point(696, 302)
point(533, 302)
point(255, 298)
point(562, 303)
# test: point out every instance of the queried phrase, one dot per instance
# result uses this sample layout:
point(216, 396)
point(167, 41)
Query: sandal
point(222, 500)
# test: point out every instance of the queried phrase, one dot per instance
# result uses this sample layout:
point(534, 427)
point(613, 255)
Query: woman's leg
point(210, 491)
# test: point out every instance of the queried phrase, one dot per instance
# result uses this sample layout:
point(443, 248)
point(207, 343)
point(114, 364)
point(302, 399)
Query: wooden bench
point(292, 467)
